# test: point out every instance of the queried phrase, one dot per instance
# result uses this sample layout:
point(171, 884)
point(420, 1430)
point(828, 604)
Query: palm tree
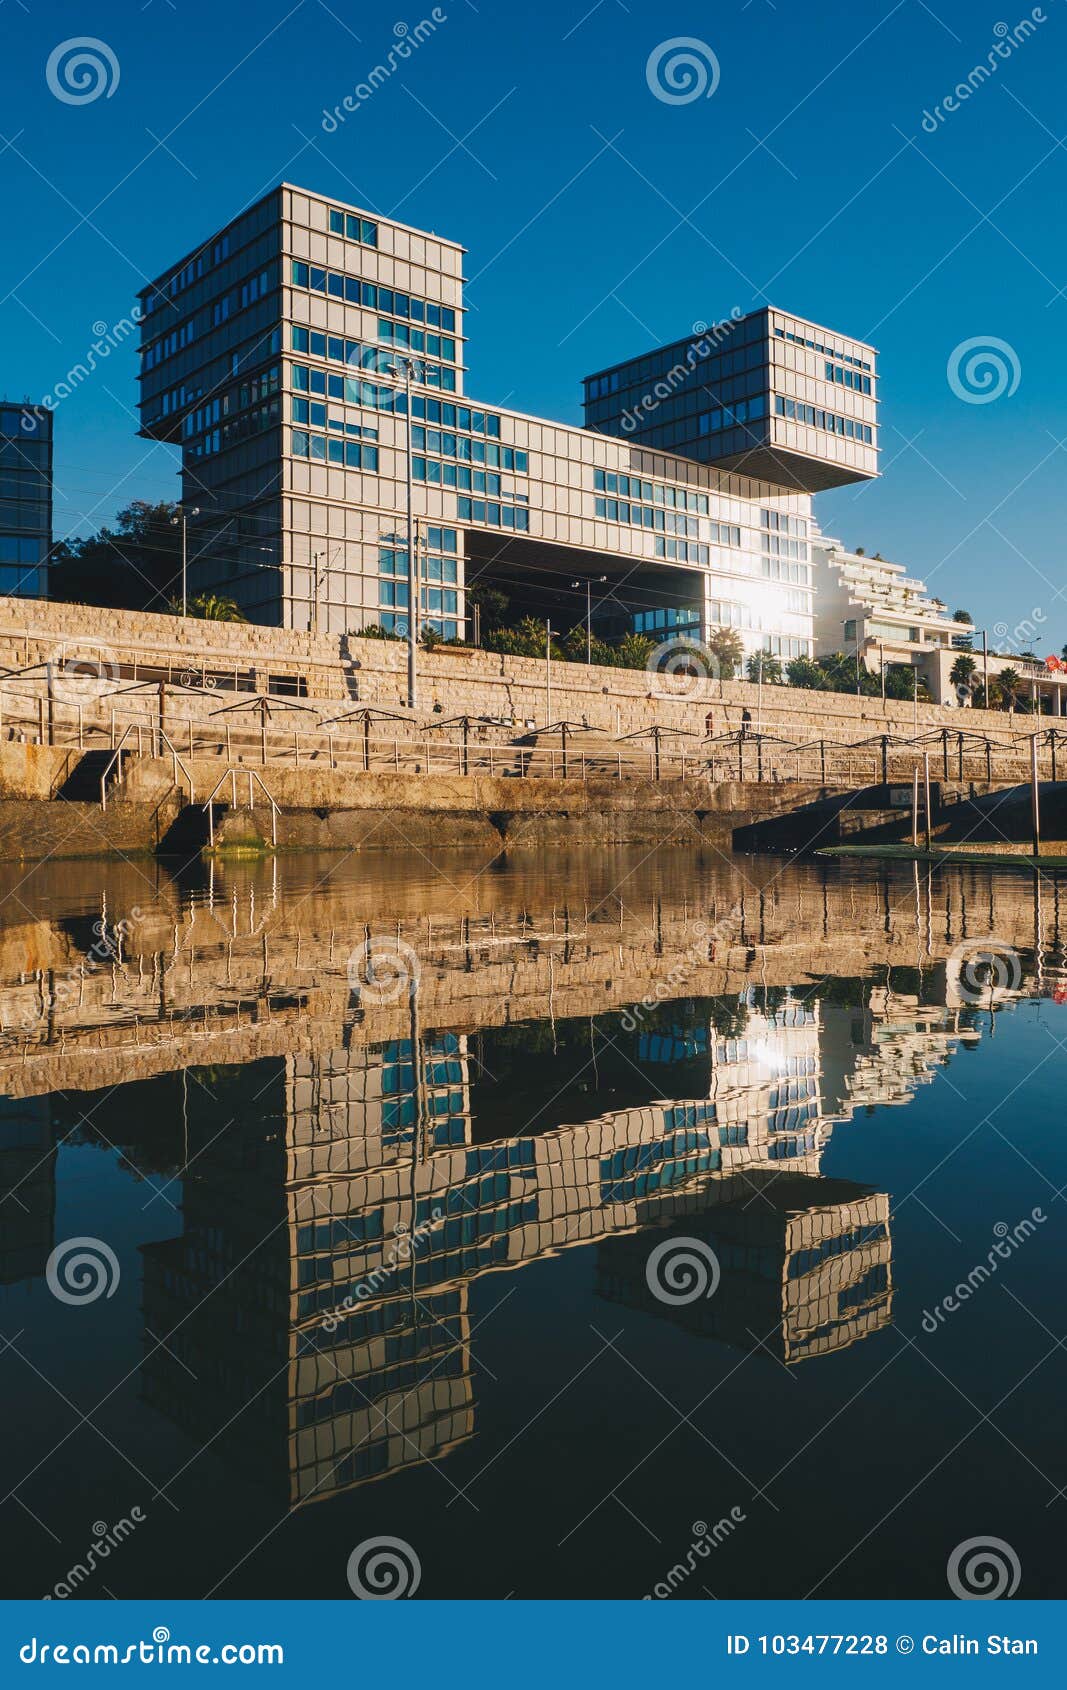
point(1009, 681)
point(211, 607)
point(962, 672)
point(726, 646)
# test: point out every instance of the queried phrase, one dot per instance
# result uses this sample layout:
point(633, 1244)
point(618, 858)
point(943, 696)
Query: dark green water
point(381, 1254)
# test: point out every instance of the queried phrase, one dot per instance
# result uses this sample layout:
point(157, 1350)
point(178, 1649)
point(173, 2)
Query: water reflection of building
point(27, 1188)
point(329, 1245)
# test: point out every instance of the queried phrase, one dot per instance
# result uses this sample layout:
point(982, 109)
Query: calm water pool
point(590, 1226)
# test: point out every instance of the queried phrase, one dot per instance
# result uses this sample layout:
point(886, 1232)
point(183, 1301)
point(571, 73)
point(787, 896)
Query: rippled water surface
point(594, 1226)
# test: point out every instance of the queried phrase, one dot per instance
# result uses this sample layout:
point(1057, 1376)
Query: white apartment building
point(873, 608)
point(276, 356)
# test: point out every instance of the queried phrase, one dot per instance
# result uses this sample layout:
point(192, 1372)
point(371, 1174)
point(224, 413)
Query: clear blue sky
point(598, 218)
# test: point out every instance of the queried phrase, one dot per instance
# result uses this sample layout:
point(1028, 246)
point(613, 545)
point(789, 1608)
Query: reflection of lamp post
point(589, 613)
point(407, 366)
point(182, 521)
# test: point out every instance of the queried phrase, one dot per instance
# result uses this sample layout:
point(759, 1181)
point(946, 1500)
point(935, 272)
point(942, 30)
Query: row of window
point(253, 421)
point(189, 273)
point(417, 340)
point(15, 548)
point(745, 410)
point(817, 346)
point(650, 492)
point(24, 454)
point(668, 365)
point(251, 392)
point(848, 378)
point(372, 360)
point(644, 516)
point(496, 516)
point(394, 624)
point(473, 451)
point(21, 583)
point(779, 523)
point(316, 416)
point(353, 228)
point(227, 305)
point(779, 569)
point(18, 423)
point(778, 546)
point(347, 452)
point(828, 420)
point(725, 614)
point(686, 618)
point(682, 551)
point(459, 475)
point(786, 645)
point(29, 515)
point(368, 294)
point(393, 595)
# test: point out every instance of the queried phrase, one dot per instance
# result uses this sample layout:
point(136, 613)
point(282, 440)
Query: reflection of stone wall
point(267, 974)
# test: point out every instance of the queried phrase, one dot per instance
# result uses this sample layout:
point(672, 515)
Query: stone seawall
point(339, 671)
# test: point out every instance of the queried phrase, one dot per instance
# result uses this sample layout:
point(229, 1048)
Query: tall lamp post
point(589, 612)
point(407, 367)
point(182, 521)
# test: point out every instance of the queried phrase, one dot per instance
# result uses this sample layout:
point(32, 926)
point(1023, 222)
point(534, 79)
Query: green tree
point(135, 565)
point(492, 605)
point(525, 639)
point(806, 672)
point(963, 671)
point(1008, 684)
point(763, 663)
point(210, 607)
point(728, 651)
point(633, 651)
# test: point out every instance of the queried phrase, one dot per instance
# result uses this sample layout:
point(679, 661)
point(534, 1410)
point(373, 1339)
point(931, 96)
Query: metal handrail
point(231, 776)
point(177, 761)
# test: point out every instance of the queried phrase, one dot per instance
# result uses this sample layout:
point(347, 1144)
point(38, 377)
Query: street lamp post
point(408, 367)
point(182, 521)
point(589, 613)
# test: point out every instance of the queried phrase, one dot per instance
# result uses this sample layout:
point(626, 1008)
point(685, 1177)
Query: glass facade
point(25, 499)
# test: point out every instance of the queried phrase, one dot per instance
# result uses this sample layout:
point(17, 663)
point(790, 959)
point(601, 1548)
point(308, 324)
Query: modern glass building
point(767, 394)
point(274, 357)
point(25, 499)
